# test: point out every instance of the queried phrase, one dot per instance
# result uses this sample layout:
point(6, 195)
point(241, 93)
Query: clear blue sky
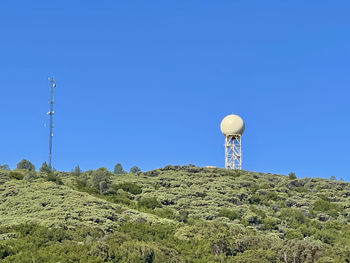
point(147, 83)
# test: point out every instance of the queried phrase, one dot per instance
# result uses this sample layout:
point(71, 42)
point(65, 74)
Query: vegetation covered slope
point(174, 214)
point(55, 205)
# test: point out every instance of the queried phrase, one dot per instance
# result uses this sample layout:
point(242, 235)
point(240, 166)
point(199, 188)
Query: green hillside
point(173, 214)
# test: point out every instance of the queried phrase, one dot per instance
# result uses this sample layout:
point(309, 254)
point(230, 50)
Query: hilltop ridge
point(179, 214)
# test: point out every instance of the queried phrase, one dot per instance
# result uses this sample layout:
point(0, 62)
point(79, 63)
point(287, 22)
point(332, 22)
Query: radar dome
point(232, 125)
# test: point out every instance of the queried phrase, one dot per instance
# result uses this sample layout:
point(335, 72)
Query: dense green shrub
point(128, 187)
point(293, 234)
point(165, 213)
point(118, 198)
point(150, 203)
point(323, 205)
point(5, 251)
point(30, 176)
point(272, 196)
point(81, 181)
point(294, 217)
point(270, 223)
point(255, 199)
point(230, 214)
point(16, 175)
point(51, 177)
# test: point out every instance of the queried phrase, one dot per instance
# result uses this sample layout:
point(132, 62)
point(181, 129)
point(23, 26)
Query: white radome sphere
point(232, 125)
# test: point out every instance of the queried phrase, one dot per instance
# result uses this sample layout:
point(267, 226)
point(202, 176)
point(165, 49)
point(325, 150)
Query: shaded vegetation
point(16, 175)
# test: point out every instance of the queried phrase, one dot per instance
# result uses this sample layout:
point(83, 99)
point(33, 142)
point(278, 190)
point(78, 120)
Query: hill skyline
point(172, 214)
point(148, 83)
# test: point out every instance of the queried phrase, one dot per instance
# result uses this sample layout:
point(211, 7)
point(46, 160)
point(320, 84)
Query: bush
point(323, 205)
point(270, 223)
point(165, 213)
point(230, 214)
point(54, 178)
point(82, 180)
point(16, 175)
point(5, 251)
point(119, 198)
point(292, 176)
point(293, 234)
point(25, 164)
point(30, 176)
point(294, 217)
point(129, 187)
point(255, 199)
point(150, 203)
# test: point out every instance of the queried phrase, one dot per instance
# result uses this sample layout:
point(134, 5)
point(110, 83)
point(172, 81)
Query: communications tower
point(232, 127)
point(51, 113)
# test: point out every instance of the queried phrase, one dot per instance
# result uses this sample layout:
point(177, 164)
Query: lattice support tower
point(233, 152)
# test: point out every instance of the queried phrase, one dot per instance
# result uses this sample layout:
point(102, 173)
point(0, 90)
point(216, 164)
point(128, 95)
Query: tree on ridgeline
point(77, 171)
point(25, 164)
point(292, 176)
point(101, 180)
point(4, 167)
point(45, 168)
point(118, 169)
point(135, 169)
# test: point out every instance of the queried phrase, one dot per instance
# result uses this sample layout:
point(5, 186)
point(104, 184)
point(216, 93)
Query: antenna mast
point(51, 113)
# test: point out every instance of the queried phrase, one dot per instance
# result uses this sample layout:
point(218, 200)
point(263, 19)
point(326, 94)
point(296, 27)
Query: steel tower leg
point(233, 152)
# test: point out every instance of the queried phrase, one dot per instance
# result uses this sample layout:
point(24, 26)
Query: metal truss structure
point(233, 152)
point(51, 113)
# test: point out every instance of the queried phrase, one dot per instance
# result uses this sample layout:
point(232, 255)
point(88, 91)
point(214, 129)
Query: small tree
point(332, 178)
point(4, 167)
point(292, 176)
point(118, 169)
point(135, 169)
point(77, 171)
point(45, 168)
point(101, 180)
point(25, 164)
